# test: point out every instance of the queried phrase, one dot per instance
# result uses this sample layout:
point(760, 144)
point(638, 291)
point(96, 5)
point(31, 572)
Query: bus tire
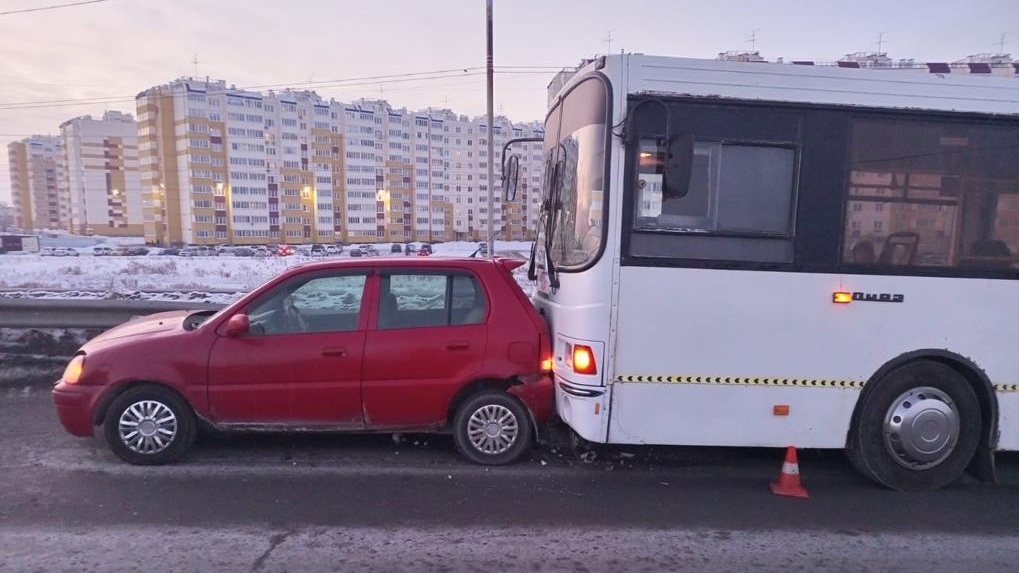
point(918, 429)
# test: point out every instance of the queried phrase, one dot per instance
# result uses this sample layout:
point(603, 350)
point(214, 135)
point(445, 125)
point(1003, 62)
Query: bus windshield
point(571, 226)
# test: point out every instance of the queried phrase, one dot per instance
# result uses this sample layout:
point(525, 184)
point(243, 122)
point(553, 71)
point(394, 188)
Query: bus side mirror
point(678, 167)
point(510, 176)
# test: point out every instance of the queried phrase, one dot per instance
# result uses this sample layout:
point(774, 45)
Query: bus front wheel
point(918, 429)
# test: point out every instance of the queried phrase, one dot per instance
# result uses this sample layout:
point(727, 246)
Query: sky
point(113, 49)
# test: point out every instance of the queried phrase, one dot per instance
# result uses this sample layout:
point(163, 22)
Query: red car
point(285, 250)
point(340, 345)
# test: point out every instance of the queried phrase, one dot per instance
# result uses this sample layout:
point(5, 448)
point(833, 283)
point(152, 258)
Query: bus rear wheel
point(918, 429)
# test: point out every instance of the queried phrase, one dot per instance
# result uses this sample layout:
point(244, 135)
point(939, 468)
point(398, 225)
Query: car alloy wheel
point(147, 427)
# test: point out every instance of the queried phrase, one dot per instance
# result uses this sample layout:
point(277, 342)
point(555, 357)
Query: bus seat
point(989, 253)
point(899, 249)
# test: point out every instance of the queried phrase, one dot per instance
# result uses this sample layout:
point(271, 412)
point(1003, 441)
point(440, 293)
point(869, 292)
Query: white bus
point(755, 254)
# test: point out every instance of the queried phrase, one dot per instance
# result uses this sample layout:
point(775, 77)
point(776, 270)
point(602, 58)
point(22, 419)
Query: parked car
point(356, 252)
point(334, 249)
point(262, 252)
point(285, 250)
point(102, 251)
point(65, 252)
point(171, 251)
point(395, 248)
point(136, 251)
point(297, 353)
point(318, 250)
point(243, 252)
point(410, 248)
point(48, 252)
point(425, 247)
point(370, 250)
point(188, 252)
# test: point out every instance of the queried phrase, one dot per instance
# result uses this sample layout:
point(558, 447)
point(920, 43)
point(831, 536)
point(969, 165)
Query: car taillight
point(545, 353)
point(580, 358)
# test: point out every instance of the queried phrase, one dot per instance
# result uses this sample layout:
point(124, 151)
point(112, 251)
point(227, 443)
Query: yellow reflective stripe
point(762, 381)
point(740, 381)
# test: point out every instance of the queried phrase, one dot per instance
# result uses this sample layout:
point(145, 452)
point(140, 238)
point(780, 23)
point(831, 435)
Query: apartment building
point(38, 187)
point(220, 164)
point(100, 160)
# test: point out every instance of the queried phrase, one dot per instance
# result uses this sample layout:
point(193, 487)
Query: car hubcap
point(492, 429)
point(921, 428)
point(147, 427)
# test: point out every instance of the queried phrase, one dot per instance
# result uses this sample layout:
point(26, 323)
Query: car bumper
point(75, 405)
point(539, 397)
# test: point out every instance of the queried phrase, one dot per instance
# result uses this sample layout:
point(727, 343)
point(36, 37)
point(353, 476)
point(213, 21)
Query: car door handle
point(334, 351)
point(458, 345)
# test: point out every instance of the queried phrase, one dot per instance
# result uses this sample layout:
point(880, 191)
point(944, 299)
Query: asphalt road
point(372, 503)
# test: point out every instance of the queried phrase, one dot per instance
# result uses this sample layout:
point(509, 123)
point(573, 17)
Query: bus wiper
point(532, 271)
point(554, 206)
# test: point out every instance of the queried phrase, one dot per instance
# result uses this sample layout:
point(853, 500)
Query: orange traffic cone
point(789, 480)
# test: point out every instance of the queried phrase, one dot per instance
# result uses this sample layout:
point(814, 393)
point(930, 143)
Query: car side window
point(323, 303)
point(468, 301)
point(429, 300)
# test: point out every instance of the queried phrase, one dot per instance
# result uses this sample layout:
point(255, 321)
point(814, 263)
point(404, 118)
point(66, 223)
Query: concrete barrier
point(59, 313)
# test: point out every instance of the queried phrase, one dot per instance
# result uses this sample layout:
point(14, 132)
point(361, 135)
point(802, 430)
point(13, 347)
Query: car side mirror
point(237, 326)
point(510, 177)
point(678, 167)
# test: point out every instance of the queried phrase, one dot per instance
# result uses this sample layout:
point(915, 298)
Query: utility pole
point(608, 40)
point(429, 176)
point(491, 135)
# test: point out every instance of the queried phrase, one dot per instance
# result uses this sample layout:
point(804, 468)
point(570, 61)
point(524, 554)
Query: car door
point(300, 363)
point(429, 340)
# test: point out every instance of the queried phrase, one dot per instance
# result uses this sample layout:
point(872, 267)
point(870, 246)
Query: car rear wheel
point(149, 425)
point(492, 428)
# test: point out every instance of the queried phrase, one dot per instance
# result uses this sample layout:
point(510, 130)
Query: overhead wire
point(51, 7)
point(324, 84)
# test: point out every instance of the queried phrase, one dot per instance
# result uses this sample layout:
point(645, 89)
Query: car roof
point(401, 262)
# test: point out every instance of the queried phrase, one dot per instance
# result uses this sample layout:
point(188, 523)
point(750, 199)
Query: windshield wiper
point(554, 206)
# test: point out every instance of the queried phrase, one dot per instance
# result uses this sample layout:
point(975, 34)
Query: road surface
point(373, 503)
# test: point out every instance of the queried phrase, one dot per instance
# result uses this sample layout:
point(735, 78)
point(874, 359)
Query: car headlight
point(74, 369)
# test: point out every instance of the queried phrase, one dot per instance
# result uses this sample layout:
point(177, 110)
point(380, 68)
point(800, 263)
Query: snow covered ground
point(157, 277)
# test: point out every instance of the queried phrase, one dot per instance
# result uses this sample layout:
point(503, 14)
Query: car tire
point(918, 429)
point(492, 428)
point(149, 425)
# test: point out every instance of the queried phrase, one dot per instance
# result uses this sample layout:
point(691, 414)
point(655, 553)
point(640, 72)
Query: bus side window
point(691, 208)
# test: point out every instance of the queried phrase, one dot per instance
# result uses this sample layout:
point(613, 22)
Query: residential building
point(38, 188)
point(220, 164)
point(102, 176)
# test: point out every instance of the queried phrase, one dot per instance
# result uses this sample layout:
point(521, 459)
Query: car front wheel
point(492, 428)
point(149, 425)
